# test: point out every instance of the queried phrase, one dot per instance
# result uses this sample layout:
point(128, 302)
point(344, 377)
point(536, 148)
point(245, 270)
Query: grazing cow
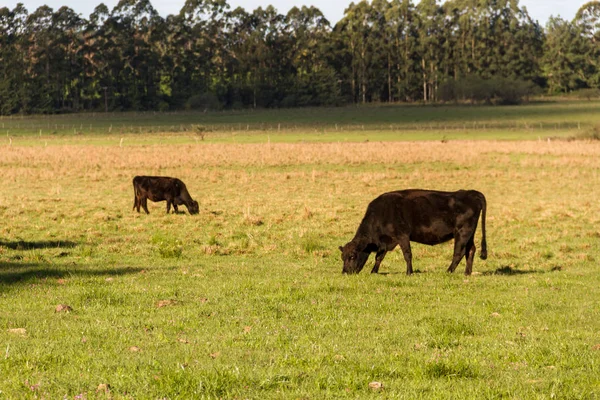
point(160, 188)
point(422, 216)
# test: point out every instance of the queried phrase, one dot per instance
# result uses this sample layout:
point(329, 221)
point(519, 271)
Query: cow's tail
point(483, 252)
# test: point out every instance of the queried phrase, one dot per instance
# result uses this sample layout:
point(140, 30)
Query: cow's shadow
point(38, 244)
point(510, 271)
point(415, 271)
point(23, 272)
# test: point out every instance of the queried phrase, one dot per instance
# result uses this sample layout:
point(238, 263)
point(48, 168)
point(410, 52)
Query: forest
point(210, 56)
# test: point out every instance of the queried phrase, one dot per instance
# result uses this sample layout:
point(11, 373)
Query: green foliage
point(209, 58)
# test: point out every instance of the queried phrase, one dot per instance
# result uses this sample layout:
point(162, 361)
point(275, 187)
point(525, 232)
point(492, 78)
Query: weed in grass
point(166, 246)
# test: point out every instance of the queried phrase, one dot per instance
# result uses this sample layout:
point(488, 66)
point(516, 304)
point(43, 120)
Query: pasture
point(247, 299)
point(344, 124)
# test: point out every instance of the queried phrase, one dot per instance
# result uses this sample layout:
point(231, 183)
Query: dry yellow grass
point(75, 158)
point(311, 183)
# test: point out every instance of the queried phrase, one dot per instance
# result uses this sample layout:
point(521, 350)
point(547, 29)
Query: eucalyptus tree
point(14, 83)
point(353, 32)
point(135, 26)
point(314, 81)
point(37, 40)
point(467, 35)
point(517, 40)
point(53, 42)
point(99, 53)
point(587, 21)
point(67, 44)
point(258, 47)
point(562, 56)
point(430, 16)
point(199, 47)
point(402, 32)
point(380, 44)
point(236, 61)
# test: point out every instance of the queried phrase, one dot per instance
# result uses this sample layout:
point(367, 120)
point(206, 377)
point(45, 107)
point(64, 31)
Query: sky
point(333, 9)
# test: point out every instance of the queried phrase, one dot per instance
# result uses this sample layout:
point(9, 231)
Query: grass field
point(534, 121)
point(247, 299)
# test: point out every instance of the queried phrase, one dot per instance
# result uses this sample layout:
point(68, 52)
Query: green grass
point(351, 123)
point(247, 299)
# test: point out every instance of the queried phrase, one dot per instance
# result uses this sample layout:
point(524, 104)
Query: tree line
point(211, 57)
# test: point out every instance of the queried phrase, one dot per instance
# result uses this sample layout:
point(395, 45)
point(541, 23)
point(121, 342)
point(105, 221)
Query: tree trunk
point(424, 80)
point(390, 99)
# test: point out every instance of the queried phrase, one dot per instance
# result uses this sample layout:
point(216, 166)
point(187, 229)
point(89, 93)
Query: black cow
point(160, 188)
point(422, 216)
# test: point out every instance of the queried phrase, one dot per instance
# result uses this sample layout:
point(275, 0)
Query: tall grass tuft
point(166, 246)
point(312, 244)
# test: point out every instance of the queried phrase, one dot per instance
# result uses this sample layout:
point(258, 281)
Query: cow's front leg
point(405, 246)
point(175, 209)
point(168, 206)
point(378, 259)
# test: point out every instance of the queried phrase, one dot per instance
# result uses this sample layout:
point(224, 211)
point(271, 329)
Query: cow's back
point(141, 184)
point(420, 201)
point(426, 216)
point(157, 188)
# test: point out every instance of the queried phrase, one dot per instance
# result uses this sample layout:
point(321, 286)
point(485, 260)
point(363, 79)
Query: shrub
point(498, 90)
point(587, 94)
point(205, 101)
point(592, 133)
point(291, 100)
point(163, 106)
point(237, 105)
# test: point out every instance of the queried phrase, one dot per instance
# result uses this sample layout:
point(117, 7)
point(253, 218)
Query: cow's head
point(193, 207)
point(354, 256)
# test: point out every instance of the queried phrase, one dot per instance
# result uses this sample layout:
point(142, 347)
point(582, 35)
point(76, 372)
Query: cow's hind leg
point(137, 203)
point(460, 245)
point(470, 255)
point(378, 259)
point(144, 202)
point(405, 246)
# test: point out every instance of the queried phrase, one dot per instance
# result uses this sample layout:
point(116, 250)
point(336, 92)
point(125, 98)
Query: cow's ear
point(341, 249)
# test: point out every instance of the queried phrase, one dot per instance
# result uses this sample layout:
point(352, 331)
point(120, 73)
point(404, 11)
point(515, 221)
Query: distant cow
point(160, 188)
point(422, 216)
